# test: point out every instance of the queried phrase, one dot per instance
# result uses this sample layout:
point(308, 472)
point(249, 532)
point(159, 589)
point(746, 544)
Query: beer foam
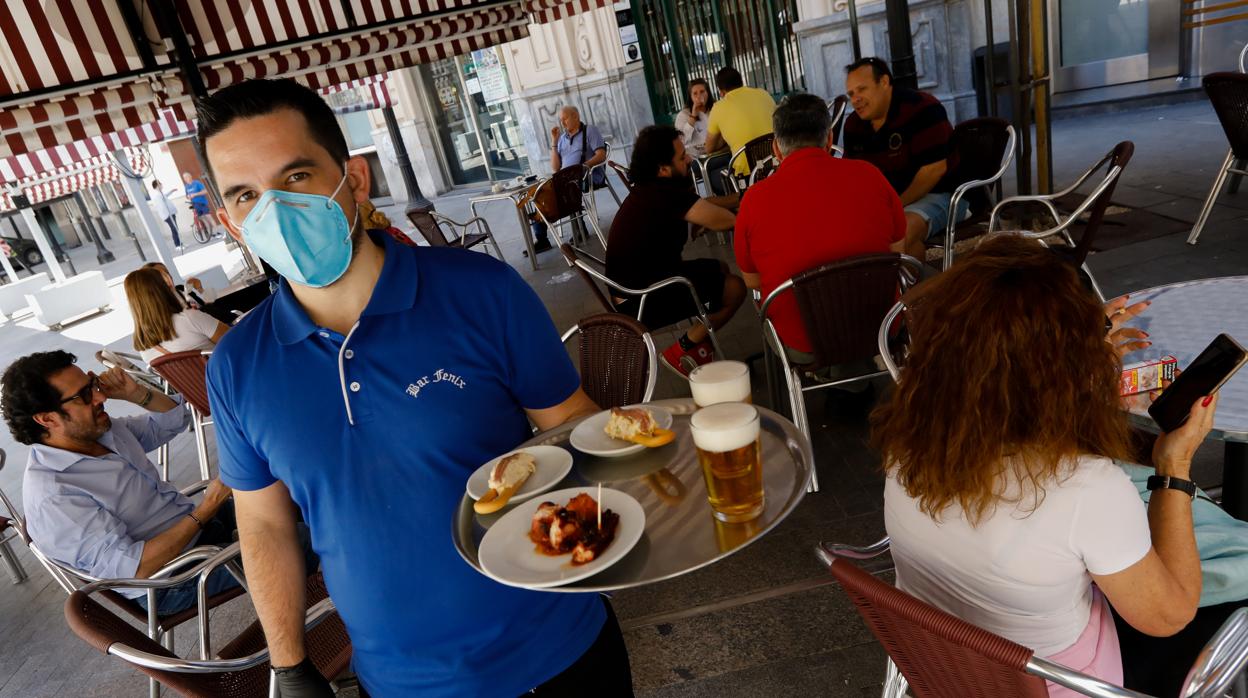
point(725, 427)
point(720, 381)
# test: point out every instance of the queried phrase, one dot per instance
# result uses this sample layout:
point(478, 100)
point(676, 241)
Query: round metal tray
point(681, 534)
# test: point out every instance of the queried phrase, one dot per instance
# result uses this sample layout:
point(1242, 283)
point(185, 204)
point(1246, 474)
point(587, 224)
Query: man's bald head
point(570, 118)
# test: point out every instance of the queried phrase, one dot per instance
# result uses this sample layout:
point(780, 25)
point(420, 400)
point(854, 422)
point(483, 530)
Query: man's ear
point(775, 149)
point(665, 171)
point(47, 420)
point(885, 81)
point(359, 179)
point(224, 219)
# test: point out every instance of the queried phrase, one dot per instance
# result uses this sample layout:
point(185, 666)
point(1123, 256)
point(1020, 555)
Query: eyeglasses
point(87, 394)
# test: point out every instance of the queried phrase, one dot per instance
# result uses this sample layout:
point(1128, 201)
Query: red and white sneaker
point(683, 362)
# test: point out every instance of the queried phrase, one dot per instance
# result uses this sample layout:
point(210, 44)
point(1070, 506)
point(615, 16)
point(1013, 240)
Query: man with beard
point(647, 237)
point(93, 500)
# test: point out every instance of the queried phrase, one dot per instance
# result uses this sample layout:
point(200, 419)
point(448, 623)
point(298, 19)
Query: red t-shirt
point(813, 210)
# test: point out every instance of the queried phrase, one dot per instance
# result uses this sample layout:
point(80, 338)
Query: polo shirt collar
point(804, 154)
point(395, 291)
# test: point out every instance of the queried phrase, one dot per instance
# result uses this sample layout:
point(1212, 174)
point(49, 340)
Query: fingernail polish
point(1208, 399)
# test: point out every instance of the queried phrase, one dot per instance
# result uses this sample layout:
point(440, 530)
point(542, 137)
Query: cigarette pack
point(1147, 375)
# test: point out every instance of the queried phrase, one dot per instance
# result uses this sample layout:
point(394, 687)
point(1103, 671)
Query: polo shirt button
point(355, 387)
point(324, 334)
point(348, 354)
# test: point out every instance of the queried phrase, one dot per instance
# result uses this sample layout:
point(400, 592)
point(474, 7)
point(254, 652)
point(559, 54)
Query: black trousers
point(1159, 665)
point(603, 670)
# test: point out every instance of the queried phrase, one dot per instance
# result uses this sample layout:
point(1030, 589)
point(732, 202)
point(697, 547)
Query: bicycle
point(200, 229)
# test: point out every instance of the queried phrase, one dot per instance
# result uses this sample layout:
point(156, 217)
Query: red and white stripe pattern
point(358, 95)
point(50, 43)
point(324, 63)
point(547, 11)
point(37, 163)
point(82, 175)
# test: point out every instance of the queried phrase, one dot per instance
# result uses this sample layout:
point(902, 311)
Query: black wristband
point(1167, 482)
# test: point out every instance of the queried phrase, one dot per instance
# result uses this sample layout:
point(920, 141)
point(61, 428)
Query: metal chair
point(240, 669)
point(1076, 254)
point(588, 183)
point(933, 653)
point(11, 528)
point(841, 305)
point(592, 276)
point(753, 152)
point(186, 372)
point(1228, 92)
point(110, 359)
point(883, 343)
point(838, 108)
point(619, 364)
point(622, 172)
point(980, 151)
point(569, 204)
point(763, 169)
point(429, 223)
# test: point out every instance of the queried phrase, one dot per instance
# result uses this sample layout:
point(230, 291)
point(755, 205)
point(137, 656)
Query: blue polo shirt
point(375, 435)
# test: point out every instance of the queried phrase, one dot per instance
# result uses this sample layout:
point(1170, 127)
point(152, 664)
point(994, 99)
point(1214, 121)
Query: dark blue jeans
point(220, 531)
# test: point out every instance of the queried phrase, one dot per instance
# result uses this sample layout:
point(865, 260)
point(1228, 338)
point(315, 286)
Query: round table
point(1182, 320)
point(680, 535)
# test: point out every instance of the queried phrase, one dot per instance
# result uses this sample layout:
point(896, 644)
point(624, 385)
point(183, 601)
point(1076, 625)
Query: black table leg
point(1235, 480)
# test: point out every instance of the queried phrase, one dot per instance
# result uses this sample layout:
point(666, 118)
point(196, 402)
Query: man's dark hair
point(25, 392)
point(879, 68)
point(253, 98)
point(654, 148)
point(728, 78)
point(801, 121)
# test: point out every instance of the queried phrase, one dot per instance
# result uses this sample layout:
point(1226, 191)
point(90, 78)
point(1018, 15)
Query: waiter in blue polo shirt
point(365, 392)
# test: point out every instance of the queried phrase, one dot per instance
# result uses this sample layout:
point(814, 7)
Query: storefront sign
point(492, 78)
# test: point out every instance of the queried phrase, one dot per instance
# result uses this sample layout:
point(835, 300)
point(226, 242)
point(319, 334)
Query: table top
point(507, 192)
point(1181, 321)
point(681, 535)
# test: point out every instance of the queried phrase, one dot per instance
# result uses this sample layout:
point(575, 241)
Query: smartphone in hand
point(1213, 367)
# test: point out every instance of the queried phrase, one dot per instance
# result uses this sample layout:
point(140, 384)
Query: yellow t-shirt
point(741, 116)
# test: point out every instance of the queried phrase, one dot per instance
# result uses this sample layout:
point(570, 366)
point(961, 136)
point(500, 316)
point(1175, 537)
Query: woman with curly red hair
point(1002, 499)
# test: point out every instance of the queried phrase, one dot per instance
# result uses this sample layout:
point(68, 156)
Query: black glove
point(302, 680)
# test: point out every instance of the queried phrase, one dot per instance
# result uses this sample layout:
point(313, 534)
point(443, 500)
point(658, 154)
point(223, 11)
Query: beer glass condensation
point(726, 436)
point(720, 381)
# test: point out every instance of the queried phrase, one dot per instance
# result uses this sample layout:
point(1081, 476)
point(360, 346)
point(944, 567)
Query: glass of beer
point(726, 436)
point(720, 381)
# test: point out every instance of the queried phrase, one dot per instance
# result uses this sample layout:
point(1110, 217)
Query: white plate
point(509, 557)
point(589, 437)
point(553, 464)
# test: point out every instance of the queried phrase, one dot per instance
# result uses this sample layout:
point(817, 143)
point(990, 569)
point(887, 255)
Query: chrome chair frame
point(886, 353)
point(793, 378)
point(1062, 228)
point(652, 361)
point(767, 164)
point(198, 424)
point(587, 183)
point(16, 571)
point(645, 292)
point(837, 108)
point(738, 185)
point(584, 214)
point(110, 359)
point(952, 224)
point(1227, 169)
point(1220, 663)
point(482, 225)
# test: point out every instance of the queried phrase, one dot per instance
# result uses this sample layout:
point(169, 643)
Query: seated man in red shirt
point(647, 237)
point(813, 210)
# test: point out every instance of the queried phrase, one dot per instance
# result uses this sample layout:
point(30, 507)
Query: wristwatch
point(1164, 482)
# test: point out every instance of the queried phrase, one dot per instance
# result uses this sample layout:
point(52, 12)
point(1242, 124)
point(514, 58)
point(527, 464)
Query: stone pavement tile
point(791, 627)
point(782, 557)
point(1187, 209)
point(849, 672)
point(1138, 196)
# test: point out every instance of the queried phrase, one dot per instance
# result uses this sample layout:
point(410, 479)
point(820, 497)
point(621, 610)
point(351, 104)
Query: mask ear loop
point(329, 203)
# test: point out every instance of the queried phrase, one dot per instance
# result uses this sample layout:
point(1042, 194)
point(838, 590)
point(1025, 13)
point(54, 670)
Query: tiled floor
point(766, 621)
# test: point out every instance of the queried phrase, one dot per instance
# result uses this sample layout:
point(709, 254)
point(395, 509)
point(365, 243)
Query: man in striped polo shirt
point(905, 133)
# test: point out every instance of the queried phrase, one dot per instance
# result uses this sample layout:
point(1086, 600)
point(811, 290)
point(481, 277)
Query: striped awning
point(81, 175)
point(72, 70)
point(547, 11)
point(358, 95)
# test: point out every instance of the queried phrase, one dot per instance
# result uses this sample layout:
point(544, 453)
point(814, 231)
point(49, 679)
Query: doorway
point(1097, 43)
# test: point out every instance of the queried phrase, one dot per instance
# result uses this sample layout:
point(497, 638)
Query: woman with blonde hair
point(161, 324)
point(1002, 498)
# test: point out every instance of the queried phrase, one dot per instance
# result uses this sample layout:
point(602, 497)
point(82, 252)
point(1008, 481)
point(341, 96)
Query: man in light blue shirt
point(573, 142)
point(93, 501)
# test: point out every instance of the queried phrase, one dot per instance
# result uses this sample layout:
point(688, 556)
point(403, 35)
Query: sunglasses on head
point(87, 393)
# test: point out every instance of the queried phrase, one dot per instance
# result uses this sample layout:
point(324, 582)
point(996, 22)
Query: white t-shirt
point(693, 131)
point(1024, 577)
point(192, 330)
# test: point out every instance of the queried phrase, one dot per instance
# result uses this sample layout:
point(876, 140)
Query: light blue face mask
point(305, 237)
